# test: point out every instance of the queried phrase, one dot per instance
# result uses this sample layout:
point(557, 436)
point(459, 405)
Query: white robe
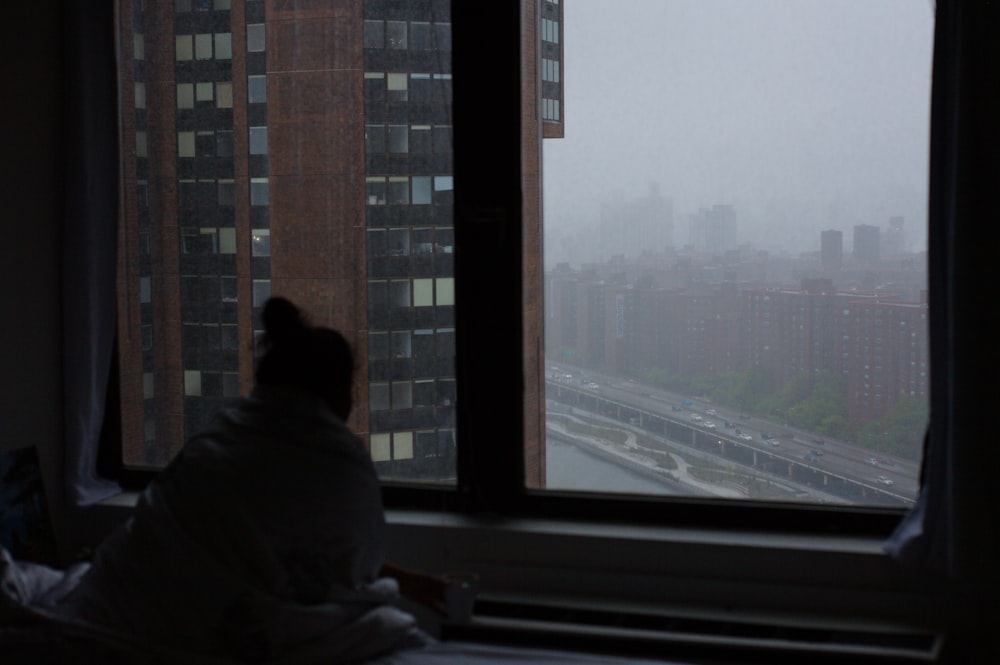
point(262, 540)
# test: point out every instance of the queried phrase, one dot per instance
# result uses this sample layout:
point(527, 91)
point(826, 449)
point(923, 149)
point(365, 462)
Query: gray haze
point(803, 115)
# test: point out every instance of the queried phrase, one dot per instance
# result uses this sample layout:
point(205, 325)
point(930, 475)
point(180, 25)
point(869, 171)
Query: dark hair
point(312, 358)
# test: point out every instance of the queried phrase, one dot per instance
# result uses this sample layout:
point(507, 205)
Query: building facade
point(304, 149)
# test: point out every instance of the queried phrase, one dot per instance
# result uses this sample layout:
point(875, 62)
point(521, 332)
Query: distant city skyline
point(804, 116)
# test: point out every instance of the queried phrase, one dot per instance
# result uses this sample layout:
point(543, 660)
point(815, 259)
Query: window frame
point(489, 269)
point(489, 295)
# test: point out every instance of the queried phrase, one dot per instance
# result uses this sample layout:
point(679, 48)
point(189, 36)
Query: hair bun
point(282, 320)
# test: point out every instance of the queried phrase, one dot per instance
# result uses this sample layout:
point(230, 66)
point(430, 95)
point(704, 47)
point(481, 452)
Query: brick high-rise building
point(304, 149)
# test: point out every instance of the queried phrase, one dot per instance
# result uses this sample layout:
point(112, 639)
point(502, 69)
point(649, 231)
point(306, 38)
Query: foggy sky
point(799, 114)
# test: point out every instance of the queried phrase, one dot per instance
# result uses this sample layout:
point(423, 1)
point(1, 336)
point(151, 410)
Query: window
point(395, 32)
point(258, 140)
point(255, 37)
point(261, 291)
point(260, 240)
point(399, 136)
point(420, 36)
point(258, 192)
point(396, 87)
point(374, 34)
point(257, 89)
point(224, 95)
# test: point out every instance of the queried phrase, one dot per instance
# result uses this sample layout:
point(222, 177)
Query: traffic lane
point(835, 461)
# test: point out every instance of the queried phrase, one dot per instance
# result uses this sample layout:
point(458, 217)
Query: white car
point(696, 417)
point(709, 424)
point(883, 480)
point(773, 442)
point(712, 412)
point(746, 437)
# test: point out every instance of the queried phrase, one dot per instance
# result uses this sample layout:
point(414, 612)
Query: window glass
point(257, 89)
point(374, 139)
point(224, 95)
point(396, 86)
point(255, 37)
point(399, 190)
point(724, 312)
point(374, 34)
point(227, 241)
point(421, 190)
point(258, 192)
point(203, 91)
point(203, 46)
point(402, 394)
point(420, 36)
point(185, 95)
point(192, 383)
point(381, 447)
point(184, 47)
point(423, 292)
point(260, 240)
point(395, 33)
point(399, 136)
point(444, 291)
point(223, 45)
point(378, 394)
point(185, 144)
point(258, 140)
point(402, 445)
point(400, 292)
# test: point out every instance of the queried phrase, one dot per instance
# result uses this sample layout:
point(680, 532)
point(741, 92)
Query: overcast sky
point(804, 114)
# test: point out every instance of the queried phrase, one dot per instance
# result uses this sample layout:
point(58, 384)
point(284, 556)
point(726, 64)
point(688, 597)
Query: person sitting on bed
point(264, 537)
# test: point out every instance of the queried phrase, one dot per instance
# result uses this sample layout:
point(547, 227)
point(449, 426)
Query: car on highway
point(709, 424)
point(712, 412)
point(773, 442)
point(883, 480)
point(745, 436)
point(695, 417)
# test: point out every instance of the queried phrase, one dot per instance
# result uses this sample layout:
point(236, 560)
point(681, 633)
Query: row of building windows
point(204, 46)
point(420, 343)
point(550, 109)
point(407, 86)
point(550, 70)
point(206, 192)
point(218, 143)
point(409, 394)
point(193, 288)
point(198, 383)
point(404, 139)
point(411, 35)
point(411, 292)
point(211, 240)
point(217, 93)
point(184, 6)
point(550, 30)
point(404, 241)
point(408, 190)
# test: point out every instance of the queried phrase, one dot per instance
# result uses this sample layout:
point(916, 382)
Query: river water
point(568, 467)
